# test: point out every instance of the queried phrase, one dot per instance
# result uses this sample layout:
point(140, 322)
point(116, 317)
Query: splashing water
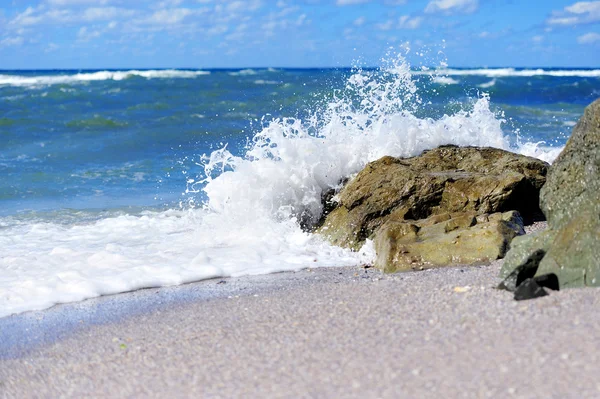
point(250, 222)
point(291, 162)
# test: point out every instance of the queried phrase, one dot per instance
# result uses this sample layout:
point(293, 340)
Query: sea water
point(112, 181)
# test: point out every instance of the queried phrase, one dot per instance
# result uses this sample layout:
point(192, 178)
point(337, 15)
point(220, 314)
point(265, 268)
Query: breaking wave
point(45, 80)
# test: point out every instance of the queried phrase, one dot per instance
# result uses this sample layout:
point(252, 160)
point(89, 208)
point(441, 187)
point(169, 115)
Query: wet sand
point(331, 332)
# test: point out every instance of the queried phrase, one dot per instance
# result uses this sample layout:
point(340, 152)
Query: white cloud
point(452, 6)
point(239, 33)
point(350, 2)
point(105, 13)
point(167, 16)
point(168, 4)
point(243, 6)
point(66, 3)
point(217, 30)
point(387, 25)
point(51, 47)
point(26, 18)
point(589, 38)
point(84, 35)
point(584, 7)
point(406, 22)
point(360, 21)
point(537, 39)
point(12, 41)
point(301, 20)
point(39, 16)
point(582, 12)
point(236, 6)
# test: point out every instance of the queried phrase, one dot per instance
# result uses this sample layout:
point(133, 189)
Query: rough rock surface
point(570, 248)
point(445, 180)
point(442, 240)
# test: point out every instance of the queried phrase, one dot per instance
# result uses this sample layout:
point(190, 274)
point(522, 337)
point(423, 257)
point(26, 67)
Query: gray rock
point(570, 199)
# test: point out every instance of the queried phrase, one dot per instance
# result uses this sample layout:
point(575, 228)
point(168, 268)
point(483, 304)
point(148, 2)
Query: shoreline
point(46, 326)
point(326, 332)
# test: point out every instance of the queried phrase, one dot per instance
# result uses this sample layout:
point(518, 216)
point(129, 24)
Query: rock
point(529, 289)
point(571, 202)
point(438, 183)
point(444, 240)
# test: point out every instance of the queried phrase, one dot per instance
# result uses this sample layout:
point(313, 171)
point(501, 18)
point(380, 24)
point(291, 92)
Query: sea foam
point(256, 201)
point(512, 72)
point(45, 80)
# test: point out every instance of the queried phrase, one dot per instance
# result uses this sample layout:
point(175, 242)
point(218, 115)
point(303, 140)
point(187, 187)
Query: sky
point(96, 34)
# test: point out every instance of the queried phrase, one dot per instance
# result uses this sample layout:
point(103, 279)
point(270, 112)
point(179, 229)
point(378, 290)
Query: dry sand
point(332, 332)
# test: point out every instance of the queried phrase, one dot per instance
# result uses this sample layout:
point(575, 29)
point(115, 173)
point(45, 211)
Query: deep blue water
point(82, 140)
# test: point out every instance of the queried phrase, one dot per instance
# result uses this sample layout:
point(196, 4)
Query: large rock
point(445, 180)
point(442, 240)
point(570, 248)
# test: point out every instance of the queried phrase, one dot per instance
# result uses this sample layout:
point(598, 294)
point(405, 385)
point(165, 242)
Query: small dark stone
point(523, 272)
point(549, 280)
point(529, 289)
point(221, 282)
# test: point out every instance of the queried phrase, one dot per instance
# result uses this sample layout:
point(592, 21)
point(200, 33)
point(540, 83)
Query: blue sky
point(38, 34)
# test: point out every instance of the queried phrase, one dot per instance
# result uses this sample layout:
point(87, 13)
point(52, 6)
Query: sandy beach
point(329, 332)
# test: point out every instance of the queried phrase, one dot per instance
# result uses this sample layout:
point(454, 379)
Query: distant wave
point(444, 80)
point(487, 85)
point(512, 72)
point(244, 72)
point(266, 82)
point(44, 80)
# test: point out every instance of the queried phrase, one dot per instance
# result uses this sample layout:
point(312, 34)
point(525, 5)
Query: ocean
point(115, 180)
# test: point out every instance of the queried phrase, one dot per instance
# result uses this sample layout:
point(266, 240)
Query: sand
point(323, 333)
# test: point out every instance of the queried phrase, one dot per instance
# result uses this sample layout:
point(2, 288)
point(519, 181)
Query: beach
point(158, 247)
point(265, 199)
point(325, 332)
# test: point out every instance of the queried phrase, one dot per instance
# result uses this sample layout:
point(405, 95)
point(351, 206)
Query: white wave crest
point(244, 72)
point(46, 80)
point(512, 72)
point(487, 85)
point(444, 80)
point(266, 82)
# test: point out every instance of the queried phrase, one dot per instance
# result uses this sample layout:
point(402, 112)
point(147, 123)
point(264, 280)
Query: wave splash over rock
point(251, 222)
point(291, 162)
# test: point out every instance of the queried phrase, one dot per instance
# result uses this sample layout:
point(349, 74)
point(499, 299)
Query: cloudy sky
point(38, 34)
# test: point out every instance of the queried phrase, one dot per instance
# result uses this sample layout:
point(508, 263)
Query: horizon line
point(289, 68)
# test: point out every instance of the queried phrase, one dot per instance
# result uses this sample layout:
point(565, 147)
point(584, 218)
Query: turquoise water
point(68, 140)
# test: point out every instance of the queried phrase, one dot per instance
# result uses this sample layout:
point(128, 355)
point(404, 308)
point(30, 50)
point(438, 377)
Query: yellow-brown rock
point(454, 239)
point(443, 181)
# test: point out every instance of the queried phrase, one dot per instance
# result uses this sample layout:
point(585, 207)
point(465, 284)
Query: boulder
point(570, 248)
point(443, 240)
point(447, 180)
